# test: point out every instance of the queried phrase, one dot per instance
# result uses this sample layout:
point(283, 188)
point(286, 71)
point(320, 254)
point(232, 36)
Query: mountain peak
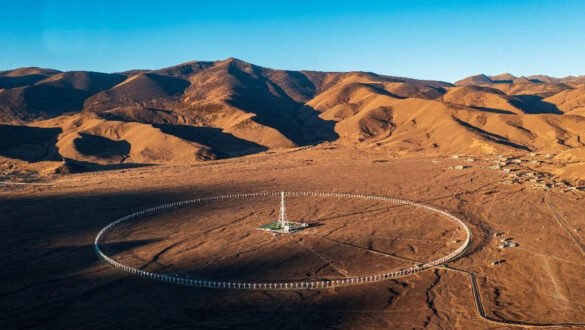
point(479, 79)
point(233, 60)
point(504, 77)
point(27, 71)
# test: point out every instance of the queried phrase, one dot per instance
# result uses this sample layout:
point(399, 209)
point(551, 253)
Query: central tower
point(282, 216)
point(282, 225)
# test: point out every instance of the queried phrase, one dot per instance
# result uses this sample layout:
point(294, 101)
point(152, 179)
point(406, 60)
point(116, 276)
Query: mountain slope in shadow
point(31, 144)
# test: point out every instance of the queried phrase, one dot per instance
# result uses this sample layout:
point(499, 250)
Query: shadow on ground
point(71, 166)
point(222, 144)
point(31, 144)
point(99, 146)
point(52, 278)
point(533, 104)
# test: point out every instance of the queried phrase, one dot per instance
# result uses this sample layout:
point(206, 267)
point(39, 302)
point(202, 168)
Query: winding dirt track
point(481, 309)
point(477, 294)
point(479, 304)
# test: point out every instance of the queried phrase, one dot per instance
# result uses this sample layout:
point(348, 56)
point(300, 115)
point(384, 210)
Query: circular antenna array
point(295, 285)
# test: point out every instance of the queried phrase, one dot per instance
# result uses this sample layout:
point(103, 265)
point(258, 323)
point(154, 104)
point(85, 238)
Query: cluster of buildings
point(504, 242)
point(526, 171)
point(523, 171)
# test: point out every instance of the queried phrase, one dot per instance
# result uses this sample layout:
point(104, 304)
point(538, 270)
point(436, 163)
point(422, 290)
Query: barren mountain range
point(208, 110)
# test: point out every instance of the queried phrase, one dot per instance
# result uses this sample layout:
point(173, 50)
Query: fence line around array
point(279, 285)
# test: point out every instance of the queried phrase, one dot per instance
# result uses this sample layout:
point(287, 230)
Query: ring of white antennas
point(280, 226)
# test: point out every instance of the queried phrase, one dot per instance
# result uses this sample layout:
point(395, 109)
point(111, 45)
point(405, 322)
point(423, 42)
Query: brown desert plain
point(79, 150)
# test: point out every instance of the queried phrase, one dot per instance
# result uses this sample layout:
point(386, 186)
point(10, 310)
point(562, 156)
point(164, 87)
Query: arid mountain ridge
point(207, 110)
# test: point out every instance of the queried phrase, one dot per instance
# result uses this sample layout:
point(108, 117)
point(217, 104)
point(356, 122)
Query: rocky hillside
point(199, 111)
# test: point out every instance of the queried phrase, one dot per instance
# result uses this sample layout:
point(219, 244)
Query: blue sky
point(444, 40)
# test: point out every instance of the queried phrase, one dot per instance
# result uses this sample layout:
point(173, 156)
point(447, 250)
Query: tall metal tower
point(282, 225)
point(282, 216)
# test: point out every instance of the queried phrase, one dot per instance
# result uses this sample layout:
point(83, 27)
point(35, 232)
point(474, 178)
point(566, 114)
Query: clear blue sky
point(444, 40)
